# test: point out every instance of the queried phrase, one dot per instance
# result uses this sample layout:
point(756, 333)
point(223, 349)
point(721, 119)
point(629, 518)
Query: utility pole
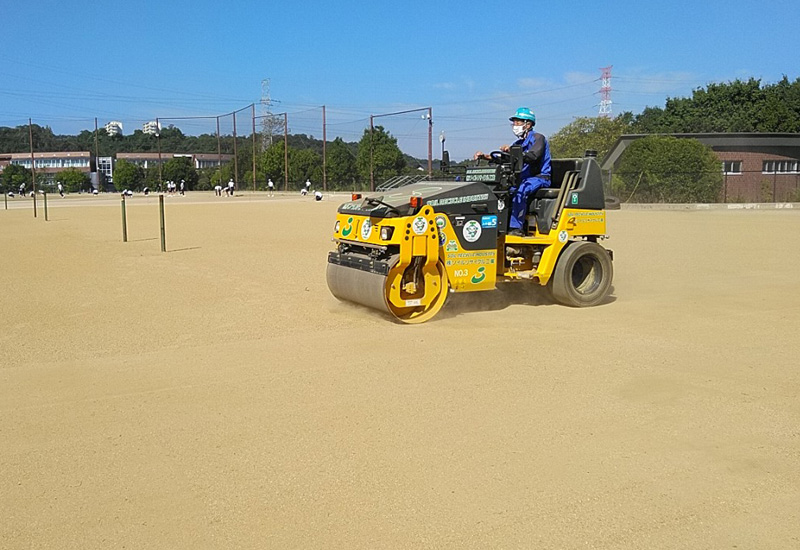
point(371, 160)
point(430, 142)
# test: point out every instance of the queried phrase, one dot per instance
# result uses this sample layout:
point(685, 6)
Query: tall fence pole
point(324, 155)
point(235, 154)
point(124, 222)
point(163, 230)
point(253, 107)
point(46, 218)
point(33, 163)
point(286, 151)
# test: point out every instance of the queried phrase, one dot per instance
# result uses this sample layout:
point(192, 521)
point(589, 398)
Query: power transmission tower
point(270, 125)
point(605, 92)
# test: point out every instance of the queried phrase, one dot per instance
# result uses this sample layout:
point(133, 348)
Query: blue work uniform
point(535, 174)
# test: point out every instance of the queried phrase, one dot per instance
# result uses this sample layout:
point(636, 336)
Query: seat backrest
point(559, 168)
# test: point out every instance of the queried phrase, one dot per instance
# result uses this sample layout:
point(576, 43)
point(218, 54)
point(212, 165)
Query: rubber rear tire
point(612, 203)
point(583, 274)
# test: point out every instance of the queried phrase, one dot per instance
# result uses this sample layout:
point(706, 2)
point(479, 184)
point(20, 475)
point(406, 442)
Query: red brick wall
point(753, 186)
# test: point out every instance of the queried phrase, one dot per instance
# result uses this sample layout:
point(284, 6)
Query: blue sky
point(65, 63)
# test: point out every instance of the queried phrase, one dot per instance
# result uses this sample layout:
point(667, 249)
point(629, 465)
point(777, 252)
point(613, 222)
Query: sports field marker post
point(163, 231)
point(124, 222)
point(45, 208)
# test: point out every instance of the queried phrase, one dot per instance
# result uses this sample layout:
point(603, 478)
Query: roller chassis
point(403, 250)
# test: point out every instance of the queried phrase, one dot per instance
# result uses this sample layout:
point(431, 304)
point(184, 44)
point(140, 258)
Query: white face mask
point(519, 130)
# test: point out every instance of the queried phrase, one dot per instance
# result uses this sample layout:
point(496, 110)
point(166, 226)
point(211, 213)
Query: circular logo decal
point(472, 231)
point(419, 225)
point(442, 238)
point(562, 236)
point(366, 229)
point(441, 221)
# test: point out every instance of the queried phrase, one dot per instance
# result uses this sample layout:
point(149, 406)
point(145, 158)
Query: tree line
point(347, 164)
point(660, 168)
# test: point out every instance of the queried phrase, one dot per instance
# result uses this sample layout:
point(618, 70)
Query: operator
point(535, 166)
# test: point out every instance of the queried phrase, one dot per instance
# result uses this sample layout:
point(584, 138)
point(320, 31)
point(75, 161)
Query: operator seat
point(543, 203)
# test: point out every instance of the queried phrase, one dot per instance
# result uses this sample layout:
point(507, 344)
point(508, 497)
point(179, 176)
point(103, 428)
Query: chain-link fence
point(702, 187)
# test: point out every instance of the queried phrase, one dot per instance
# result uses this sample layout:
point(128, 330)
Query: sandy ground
point(217, 396)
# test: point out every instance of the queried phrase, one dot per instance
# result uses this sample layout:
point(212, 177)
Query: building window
point(732, 167)
point(780, 167)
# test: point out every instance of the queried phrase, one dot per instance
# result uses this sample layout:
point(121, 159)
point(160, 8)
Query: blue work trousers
point(519, 200)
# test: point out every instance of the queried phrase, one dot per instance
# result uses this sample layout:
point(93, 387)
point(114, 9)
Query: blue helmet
point(523, 113)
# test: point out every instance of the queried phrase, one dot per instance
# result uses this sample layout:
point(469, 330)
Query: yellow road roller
point(402, 250)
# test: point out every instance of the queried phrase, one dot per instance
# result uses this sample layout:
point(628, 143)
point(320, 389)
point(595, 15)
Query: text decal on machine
point(458, 200)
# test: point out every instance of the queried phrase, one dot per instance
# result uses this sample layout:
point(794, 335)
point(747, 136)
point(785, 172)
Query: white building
point(152, 127)
point(114, 128)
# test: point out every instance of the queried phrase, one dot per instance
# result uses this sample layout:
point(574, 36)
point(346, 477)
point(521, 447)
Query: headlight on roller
point(336, 227)
point(386, 233)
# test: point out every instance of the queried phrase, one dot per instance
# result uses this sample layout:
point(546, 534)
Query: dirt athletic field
point(217, 396)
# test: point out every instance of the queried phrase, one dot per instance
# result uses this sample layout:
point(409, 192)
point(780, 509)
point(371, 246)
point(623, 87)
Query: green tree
point(271, 164)
point(738, 106)
point(74, 180)
point(668, 169)
point(379, 150)
point(597, 133)
point(128, 175)
point(181, 168)
point(14, 174)
point(341, 165)
point(305, 164)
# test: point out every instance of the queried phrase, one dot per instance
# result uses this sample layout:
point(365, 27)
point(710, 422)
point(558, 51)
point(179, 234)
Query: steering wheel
point(499, 157)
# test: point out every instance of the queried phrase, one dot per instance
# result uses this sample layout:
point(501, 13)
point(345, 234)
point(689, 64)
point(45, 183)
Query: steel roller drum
point(360, 287)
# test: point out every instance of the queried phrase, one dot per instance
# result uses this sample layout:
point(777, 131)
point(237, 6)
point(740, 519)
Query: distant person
point(22, 189)
point(127, 193)
point(60, 189)
point(218, 190)
point(182, 187)
point(317, 195)
point(308, 185)
point(230, 187)
point(146, 191)
point(271, 187)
